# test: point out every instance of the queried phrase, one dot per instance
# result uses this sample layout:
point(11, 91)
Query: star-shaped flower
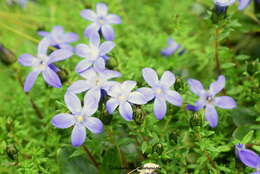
point(58, 38)
point(101, 21)
point(160, 91)
point(95, 80)
point(208, 99)
point(172, 47)
point(94, 53)
point(122, 96)
point(43, 63)
point(80, 117)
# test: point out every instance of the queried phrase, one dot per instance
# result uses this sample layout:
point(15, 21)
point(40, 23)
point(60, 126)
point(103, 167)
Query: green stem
point(217, 59)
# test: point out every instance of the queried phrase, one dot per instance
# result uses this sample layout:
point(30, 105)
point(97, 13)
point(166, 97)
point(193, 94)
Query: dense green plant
point(182, 142)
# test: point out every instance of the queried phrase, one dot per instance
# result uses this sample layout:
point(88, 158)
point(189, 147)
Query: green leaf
point(241, 132)
point(243, 116)
point(248, 137)
point(257, 148)
point(227, 65)
point(74, 165)
point(111, 162)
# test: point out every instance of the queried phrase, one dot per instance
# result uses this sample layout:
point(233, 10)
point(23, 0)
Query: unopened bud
point(7, 56)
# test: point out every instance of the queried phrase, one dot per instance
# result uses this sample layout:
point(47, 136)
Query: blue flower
point(172, 47)
point(80, 118)
point(122, 96)
point(248, 157)
point(101, 21)
point(208, 100)
point(222, 5)
point(94, 53)
point(96, 80)
point(58, 38)
point(160, 91)
point(43, 63)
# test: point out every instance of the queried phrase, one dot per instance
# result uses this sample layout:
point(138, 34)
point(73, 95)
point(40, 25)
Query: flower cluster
point(97, 82)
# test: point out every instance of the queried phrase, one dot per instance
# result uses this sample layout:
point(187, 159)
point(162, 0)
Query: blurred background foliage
point(182, 142)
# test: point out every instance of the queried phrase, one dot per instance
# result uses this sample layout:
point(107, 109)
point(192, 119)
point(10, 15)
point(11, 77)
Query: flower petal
point(225, 102)
point(71, 37)
point(159, 108)
point(82, 50)
point(126, 111)
point(99, 64)
point(51, 78)
point(43, 33)
point(83, 66)
point(89, 15)
point(243, 4)
point(94, 125)
point(106, 47)
point(43, 46)
point(137, 98)
point(174, 98)
point(218, 85)
point(108, 32)
point(79, 86)
point(168, 79)
point(91, 100)
point(73, 103)
point(26, 59)
point(111, 105)
point(113, 19)
point(249, 158)
point(92, 28)
point(30, 79)
point(128, 85)
point(94, 39)
point(78, 135)
point(101, 9)
point(211, 115)
point(110, 74)
point(63, 120)
point(60, 54)
point(195, 86)
point(147, 92)
point(150, 76)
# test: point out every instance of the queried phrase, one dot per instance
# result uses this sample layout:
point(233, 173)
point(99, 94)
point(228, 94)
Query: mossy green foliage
point(180, 143)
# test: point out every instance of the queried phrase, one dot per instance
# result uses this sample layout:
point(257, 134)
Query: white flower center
point(158, 91)
point(94, 52)
point(101, 20)
point(79, 118)
point(41, 62)
point(122, 98)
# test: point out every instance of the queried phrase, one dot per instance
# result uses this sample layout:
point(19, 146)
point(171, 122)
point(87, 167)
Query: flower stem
point(35, 107)
point(218, 69)
point(121, 156)
point(92, 158)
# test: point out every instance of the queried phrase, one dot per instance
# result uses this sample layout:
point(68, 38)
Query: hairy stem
point(92, 158)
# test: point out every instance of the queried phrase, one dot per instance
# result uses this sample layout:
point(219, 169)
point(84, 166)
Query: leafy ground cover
point(182, 142)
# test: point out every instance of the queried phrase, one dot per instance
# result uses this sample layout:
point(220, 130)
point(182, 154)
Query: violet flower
point(96, 80)
point(208, 100)
point(43, 63)
point(101, 21)
point(59, 39)
point(172, 47)
point(160, 91)
point(94, 53)
point(243, 4)
point(122, 96)
point(21, 3)
point(248, 157)
point(80, 118)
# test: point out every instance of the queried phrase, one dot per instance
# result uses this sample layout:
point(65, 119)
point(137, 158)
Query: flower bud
point(139, 115)
point(195, 120)
point(7, 56)
point(157, 148)
point(12, 152)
